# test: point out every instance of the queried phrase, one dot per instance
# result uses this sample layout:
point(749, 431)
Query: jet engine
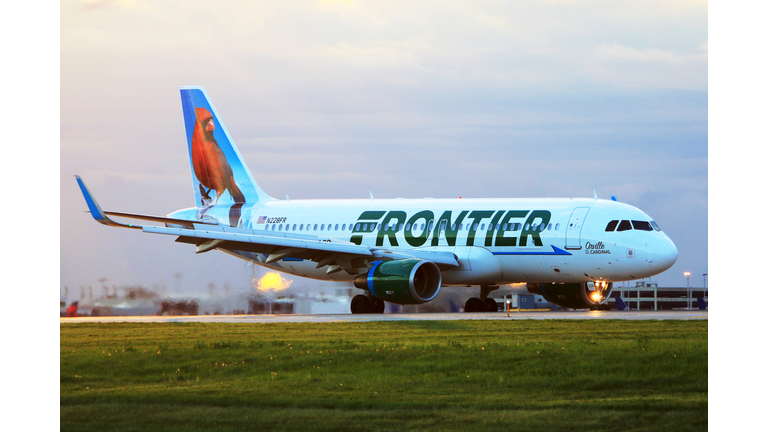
point(406, 281)
point(585, 295)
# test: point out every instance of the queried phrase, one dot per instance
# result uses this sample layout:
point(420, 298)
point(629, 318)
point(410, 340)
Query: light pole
point(688, 287)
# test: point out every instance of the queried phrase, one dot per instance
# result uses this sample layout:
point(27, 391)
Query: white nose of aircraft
point(661, 254)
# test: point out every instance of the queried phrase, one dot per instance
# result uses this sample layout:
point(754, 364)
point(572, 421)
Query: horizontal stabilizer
point(161, 219)
point(102, 216)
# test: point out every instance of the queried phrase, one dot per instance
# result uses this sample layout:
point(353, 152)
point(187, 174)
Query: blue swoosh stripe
point(556, 251)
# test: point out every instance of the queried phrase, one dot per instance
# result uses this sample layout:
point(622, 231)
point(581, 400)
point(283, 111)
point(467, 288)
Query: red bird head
point(205, 119)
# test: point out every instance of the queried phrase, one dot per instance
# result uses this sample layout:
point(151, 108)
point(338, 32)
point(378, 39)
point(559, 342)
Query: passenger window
point(624, 226)
point(642, 225)
point(549, 227)
point(294, 227)
point(315, 229)
point(611, 225)
point(343, 227)
point(557, 227)
point(336, 228)
point(400, 228)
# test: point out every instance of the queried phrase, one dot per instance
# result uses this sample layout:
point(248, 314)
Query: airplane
point(620, 305)
point(403, 251)
point(702, 303)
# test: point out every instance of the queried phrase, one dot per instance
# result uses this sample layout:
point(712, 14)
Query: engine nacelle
point(407, 281)
point(586, 295)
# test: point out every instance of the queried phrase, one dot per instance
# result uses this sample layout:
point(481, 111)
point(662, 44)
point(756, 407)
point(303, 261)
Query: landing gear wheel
point(377, 305)
point(360, 304)
point(474, 304)
point(491, 305)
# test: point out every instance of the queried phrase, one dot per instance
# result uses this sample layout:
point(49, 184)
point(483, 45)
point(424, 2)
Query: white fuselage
point(496, 241)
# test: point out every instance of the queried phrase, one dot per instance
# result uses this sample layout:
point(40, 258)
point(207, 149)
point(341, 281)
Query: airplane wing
point(207, 235)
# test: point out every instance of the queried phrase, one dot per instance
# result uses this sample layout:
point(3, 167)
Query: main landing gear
point(363, 304)
point(484, 303)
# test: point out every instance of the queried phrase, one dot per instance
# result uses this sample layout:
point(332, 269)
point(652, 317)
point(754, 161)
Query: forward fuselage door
point(573, 229)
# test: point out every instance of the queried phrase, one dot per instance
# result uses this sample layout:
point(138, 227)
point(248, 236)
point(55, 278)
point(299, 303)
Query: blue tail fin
point(620, 304)
point(219, 173)
point(702, 304)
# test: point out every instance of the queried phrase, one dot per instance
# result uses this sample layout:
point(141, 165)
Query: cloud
point(108, 4)
point(624, 54)
point(623, 66)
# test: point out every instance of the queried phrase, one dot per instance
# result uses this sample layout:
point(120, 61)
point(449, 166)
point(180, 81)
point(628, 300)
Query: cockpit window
point(655, 226)
point(625, 226)
point(611, 225)
point(642, 225)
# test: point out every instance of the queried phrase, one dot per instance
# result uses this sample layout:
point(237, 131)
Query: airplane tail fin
point(702, 304)
point(620, 304)
point(219, 173)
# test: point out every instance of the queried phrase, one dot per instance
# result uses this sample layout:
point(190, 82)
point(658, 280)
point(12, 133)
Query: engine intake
point(586, 295)
point(408, 281)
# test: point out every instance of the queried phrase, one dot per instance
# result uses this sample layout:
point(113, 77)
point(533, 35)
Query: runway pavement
point(280, 318)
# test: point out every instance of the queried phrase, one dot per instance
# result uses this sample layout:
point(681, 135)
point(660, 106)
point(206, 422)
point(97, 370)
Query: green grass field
point(405, 375)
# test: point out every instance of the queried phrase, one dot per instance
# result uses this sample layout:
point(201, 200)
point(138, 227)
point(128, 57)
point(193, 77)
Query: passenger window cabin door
point(441, 231)
point(573, 229)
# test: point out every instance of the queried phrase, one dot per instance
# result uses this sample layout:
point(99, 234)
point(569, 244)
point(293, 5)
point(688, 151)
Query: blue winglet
point(95, 210)
point(93, 207)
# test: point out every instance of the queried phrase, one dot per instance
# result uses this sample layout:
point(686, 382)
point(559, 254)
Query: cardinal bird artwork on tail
point(209, 162)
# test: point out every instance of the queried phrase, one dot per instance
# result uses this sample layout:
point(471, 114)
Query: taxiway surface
point(282, 318)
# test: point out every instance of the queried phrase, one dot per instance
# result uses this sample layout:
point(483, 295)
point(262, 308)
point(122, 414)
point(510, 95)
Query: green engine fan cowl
point(408, 281)
point(574, 295)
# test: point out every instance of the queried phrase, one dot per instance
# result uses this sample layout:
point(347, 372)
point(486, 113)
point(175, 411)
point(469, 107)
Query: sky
point(333, 99)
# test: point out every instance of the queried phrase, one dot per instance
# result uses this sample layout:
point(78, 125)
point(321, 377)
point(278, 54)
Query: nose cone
point(661, 254)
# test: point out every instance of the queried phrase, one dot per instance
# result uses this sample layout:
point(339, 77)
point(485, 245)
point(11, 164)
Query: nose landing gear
point(598, 295)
